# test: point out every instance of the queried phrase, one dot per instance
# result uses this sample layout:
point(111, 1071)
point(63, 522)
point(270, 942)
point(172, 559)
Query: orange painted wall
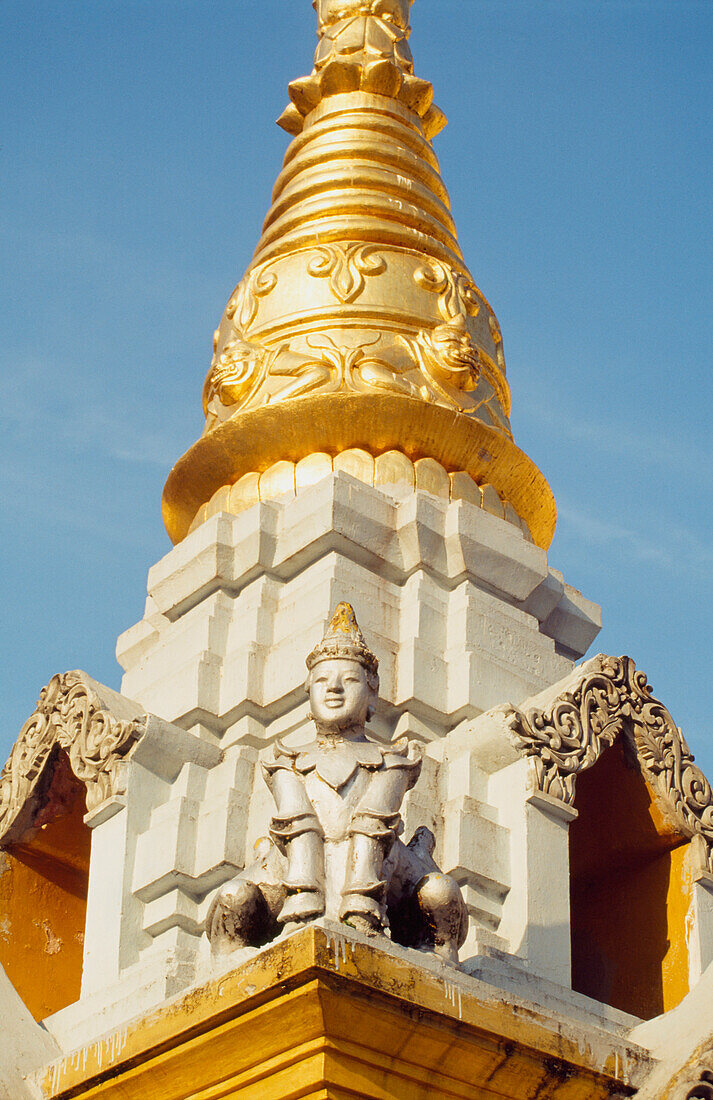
point(43, 903)
point(629, 892)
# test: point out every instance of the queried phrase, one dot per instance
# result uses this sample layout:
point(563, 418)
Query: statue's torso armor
point(341, 778)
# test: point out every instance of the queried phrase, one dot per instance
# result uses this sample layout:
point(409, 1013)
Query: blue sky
point(138, 152)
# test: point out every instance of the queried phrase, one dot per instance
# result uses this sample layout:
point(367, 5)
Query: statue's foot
point(360, 923)
point(362, 913)
point(301, 907)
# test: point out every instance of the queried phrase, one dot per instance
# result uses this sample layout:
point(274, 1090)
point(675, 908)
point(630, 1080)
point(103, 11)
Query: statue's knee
point(438, 891)
point(239, 895)
point(441, 902)
point(239, 915)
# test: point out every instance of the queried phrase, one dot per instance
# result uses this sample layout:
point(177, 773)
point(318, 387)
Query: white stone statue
point(334, 847)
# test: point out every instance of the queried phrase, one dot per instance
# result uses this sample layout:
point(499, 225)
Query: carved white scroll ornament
point(608, 698)
point(72, 716)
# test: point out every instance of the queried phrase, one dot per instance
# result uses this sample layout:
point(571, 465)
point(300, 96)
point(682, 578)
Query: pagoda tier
point(358, 327)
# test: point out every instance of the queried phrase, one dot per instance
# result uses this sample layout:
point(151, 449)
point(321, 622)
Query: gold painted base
point(325, 1015)
point(333, 423)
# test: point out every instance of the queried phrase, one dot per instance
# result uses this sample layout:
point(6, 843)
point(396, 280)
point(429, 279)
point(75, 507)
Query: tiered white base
point(463, 613)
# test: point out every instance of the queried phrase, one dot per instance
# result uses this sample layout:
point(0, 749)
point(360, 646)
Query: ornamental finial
point(363, 46)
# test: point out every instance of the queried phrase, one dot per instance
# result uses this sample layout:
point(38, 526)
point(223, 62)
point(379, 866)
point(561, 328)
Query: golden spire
point(357, 339)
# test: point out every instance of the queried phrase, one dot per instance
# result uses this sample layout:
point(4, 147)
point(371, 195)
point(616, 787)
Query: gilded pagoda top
point(357, 328)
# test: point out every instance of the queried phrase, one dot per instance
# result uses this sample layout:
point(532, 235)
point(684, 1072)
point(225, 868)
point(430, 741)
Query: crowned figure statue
point(334, 848)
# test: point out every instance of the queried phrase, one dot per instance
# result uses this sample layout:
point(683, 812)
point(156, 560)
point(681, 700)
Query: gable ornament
point(607, 698)
point(69, 715)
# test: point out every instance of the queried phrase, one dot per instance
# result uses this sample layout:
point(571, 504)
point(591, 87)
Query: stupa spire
point(357, 338)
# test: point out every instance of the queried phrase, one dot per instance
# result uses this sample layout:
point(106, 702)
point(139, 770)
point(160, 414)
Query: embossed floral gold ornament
point(357, 324)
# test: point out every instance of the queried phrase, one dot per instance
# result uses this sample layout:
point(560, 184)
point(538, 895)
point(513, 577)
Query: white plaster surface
point(453, 600)
point(699, 927)
point(535, 912)
point(441, 589)
point(677, 1036)
point(24, 1046)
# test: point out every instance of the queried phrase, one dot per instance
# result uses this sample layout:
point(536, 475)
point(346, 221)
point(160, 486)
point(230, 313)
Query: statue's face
point(339, 694)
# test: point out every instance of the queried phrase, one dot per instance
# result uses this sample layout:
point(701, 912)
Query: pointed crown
point(343, 638)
